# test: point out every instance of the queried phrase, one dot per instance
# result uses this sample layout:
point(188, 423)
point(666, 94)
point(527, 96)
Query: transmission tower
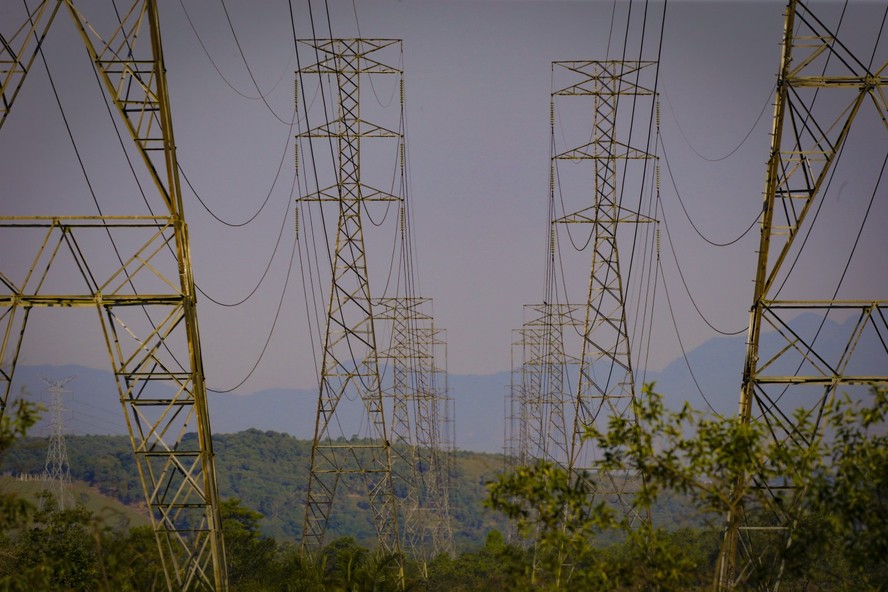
point(134, 270)
point(56, 474)
point(540, 398)
point(350, 371)
point(606, 383)
point(822, 89)
point(420, 460)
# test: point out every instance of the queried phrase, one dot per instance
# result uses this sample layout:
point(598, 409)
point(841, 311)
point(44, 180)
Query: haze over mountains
point(91, 406)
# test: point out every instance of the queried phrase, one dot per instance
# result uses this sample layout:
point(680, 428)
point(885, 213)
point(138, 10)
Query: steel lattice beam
point(822, 89)
point(145, 299)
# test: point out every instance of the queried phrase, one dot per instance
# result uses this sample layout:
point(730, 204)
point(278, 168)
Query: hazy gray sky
point(477, 77)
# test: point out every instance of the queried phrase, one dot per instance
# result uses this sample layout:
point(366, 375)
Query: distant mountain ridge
point(93, 408)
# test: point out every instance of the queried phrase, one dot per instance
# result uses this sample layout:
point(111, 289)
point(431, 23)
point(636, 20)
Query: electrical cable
point(685, 284)
point(267, 195)
point(878, 40)
point(681, 345)
point(267, 266)
point(738, 146)
point(203, 46)
point(250, 71)
point(270, 332)
point(687, 214)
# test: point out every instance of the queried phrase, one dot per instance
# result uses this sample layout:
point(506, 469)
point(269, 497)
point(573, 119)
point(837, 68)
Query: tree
point(711, 461)
point(247, 552)
point(56, 552)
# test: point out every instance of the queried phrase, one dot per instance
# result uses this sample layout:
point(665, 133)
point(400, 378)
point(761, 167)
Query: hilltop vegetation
point(268, 472)
point(839, 542)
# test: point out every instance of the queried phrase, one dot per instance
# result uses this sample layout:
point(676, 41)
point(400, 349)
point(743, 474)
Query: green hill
point(268, 471)
point(112, 512)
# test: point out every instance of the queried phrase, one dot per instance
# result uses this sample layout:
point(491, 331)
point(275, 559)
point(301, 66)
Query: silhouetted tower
point(822, 89)
point(134, 269)
point(56, 473)
point(350, 371)
point(609, 92)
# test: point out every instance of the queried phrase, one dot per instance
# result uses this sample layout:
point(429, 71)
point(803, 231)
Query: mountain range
point(91, 405)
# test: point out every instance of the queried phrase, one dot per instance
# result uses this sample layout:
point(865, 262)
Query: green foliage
point(495, 566)
point(847, 520)
point(55, 552)
point(268, 472)
point(14, 425)
point(247, 551)
point(712, 463)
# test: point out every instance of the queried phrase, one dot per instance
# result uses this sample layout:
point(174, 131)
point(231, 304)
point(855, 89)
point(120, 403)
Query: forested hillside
point(268, 472)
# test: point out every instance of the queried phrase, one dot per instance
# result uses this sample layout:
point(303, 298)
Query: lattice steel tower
point(134, 270)
point(350, 370)
point(822, 89)
point(56, 473)
point(606, 383)
point(540, 399)
point(420, 464)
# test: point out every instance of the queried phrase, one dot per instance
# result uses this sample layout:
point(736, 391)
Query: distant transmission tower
point(56, 474)
point(350, 367)
point(133, 269)
point(822, 89)
point(540, 402)
point(610, 92)
point(417, 426)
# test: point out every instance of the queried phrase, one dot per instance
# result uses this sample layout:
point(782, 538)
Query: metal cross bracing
point(134, 270)
point(823, 88)
point(350, 370)
point(420, 459)
point(610, 93)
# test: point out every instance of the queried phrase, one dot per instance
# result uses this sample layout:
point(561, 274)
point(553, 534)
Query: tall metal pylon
point(350, 370)
point(56, 472)
point(540, 401)
point(822, 89)
point(606, 382)
point(420, 460)
point(134, 270)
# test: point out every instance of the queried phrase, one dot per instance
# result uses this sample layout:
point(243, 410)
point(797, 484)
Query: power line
point(687, 214)
point(261, 96)
point(738, 146)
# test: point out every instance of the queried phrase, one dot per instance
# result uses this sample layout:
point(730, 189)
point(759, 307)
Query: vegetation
point(842, 531)
point(558, 538)
point(268, 472)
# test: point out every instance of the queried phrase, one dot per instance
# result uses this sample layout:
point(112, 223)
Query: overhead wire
point(247, 66)
point(271, 330)
point(265, 201)
point(688, 215)
point(271, 259)
point(216, 67)
point(685, 284)
point(684, 352)
point(313, 254)
point(653, 128)
point(738, 146)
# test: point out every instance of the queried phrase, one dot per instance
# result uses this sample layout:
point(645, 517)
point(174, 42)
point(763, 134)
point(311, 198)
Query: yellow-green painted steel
point(145, 299)
point(806, 141)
